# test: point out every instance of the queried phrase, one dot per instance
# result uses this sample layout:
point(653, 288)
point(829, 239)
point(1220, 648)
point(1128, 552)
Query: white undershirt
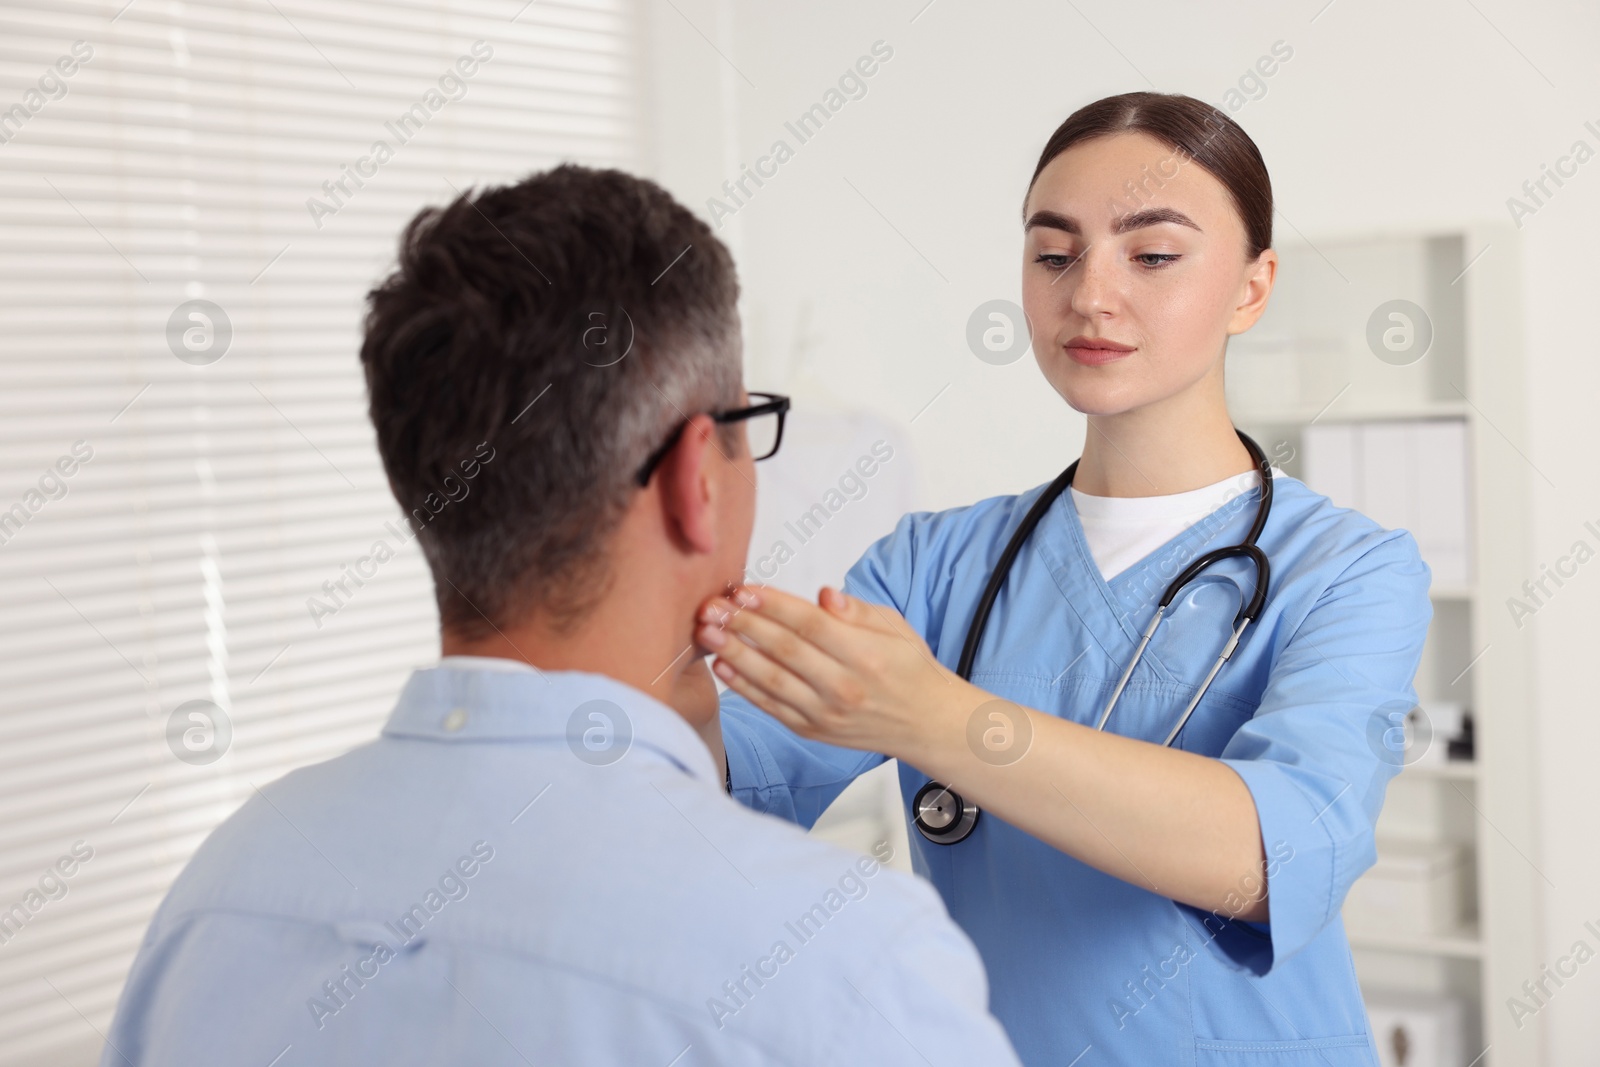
point(1122, 530)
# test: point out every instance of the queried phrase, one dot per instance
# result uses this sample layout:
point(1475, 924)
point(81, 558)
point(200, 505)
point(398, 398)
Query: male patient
point(536, 862)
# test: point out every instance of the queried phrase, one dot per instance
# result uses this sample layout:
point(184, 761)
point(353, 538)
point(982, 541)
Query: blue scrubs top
point(1084, 963)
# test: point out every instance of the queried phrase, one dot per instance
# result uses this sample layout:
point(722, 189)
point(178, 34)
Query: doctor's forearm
point(1179, 824)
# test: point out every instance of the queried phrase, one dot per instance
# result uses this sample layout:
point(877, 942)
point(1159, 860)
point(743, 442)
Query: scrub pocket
point(1351, 1051)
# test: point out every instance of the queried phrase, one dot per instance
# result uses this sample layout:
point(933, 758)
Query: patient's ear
point(688, 488)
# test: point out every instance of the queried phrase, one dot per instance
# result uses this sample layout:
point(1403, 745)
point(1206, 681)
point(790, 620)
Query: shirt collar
point(594, 714)
point(486, 663)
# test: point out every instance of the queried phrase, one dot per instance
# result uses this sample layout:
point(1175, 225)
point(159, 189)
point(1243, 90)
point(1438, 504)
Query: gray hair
point(535, 344)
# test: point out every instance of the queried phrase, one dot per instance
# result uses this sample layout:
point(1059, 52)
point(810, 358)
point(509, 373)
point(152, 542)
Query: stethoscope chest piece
point(942, 815)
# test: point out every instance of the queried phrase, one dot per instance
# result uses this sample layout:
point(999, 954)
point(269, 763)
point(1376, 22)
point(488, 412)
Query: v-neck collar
point(1104, 607)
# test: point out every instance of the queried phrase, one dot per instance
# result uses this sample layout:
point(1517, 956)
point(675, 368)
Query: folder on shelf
point(1441, 505)
point(1402, 474)
point(1331, 457)
point(1387, 474)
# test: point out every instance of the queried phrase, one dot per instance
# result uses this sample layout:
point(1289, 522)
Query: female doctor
point(1145, 882)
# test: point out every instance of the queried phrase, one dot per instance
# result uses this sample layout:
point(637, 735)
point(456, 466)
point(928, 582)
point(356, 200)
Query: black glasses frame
point(772, 402)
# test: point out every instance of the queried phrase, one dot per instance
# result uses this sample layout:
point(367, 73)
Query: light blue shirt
point(1080, 962)
point(540, 868)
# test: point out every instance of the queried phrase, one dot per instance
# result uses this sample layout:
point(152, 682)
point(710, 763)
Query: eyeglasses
point(764, 430)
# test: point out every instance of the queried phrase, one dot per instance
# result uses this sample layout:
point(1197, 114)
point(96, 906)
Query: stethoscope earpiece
point(942, 815)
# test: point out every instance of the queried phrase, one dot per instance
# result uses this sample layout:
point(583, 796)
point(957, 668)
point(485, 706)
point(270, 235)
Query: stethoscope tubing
point(939, 797)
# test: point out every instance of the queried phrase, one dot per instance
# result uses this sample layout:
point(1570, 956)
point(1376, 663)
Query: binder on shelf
point(1403, 474)
point(1441, 506)
point(1331, 453)
point(1388, 474)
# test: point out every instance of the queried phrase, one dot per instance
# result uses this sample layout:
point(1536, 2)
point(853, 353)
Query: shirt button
point(456, 719)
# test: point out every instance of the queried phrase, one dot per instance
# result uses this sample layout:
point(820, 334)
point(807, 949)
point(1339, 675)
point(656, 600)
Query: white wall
point(1386, 116)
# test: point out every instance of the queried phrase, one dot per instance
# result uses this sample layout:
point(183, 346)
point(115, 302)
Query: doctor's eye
point(1055, 261)
point(1163, 257)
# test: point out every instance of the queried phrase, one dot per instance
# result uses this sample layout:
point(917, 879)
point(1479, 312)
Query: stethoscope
point(942, 814)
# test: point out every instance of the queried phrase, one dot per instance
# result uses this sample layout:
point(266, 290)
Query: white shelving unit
point(1307, 361)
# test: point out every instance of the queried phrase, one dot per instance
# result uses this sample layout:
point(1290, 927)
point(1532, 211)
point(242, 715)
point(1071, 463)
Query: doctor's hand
point(843, 671)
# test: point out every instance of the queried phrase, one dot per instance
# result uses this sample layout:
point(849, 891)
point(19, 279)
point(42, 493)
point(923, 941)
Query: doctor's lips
point(1095, 351)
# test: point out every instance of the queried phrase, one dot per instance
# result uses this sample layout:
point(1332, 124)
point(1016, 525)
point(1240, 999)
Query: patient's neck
point(639, 641)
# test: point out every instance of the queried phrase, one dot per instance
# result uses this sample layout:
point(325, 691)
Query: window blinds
point(194, 199)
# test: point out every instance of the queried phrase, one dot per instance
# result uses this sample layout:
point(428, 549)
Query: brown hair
point(1197, 131)
point(500, 296)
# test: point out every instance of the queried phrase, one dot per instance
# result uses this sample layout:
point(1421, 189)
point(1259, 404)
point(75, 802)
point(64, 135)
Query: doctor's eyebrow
point(1132, 221)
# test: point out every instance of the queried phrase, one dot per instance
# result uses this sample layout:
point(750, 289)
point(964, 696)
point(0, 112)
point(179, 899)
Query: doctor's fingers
point(807, 619)
point(778, 645)
point(768, 686)
point(872, 616)
point(836, 632)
